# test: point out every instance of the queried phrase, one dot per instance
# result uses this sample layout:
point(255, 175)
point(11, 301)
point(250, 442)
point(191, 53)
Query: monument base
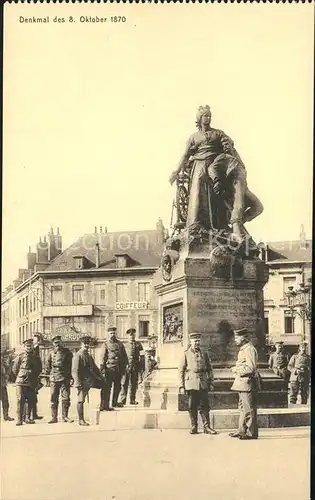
point(160, 390)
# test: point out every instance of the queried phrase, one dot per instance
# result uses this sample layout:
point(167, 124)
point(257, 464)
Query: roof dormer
point(81, 262)
point(122, 260)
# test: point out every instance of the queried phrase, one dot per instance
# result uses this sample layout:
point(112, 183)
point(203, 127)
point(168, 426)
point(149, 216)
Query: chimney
point(54, 244)
point(95, 230)
point(31, 259)
point(97, 254)
point(21, 273)
point(105, 230)
point(101, 229)
point(302, 238)
point(42, 251)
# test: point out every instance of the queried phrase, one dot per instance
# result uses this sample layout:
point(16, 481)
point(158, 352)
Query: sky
point(96, 115)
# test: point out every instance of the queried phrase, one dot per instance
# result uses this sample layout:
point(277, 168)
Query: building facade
point(290, 264)
point(105, 279)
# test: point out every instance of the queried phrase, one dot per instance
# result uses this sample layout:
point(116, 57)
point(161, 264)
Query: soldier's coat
point(195, 370)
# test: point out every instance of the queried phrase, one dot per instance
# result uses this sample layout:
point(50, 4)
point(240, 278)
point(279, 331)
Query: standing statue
point(212, 192)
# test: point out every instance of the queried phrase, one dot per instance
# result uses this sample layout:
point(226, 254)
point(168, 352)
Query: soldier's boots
point(81, 415)
point(194, 421)
point(6, 416)
point(54, 414)
point(65, 410)
point(134, 402)
point(206, 424)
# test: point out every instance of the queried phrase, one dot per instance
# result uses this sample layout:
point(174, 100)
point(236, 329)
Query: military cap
point(131, 330)
point(194, 335)
point(86, 339)
point(112, 329)
point(55, 337)
point(241, 332)
point(27, 342)
point(304, 343)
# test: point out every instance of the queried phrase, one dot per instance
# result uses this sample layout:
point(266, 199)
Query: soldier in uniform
point(26, 369)
point(113, 365)
point(278, 362)
point(299, 368)
point(59, 368)
point(36, 343)
point(247, 384)
point(85, 375)
point(196, 378)
point(5, 374)
point(131, 376)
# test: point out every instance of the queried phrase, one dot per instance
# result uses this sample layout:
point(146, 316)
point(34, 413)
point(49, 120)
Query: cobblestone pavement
point(73, 463)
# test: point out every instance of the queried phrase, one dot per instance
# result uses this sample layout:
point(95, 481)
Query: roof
point(143, 247)
point(291, 251)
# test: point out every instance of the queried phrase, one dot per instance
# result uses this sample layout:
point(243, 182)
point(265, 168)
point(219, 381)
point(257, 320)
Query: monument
point(211, 278)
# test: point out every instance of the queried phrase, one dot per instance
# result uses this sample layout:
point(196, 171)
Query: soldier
point(247, 384)
point(299, 366)
point(59, 368)
point(113, 364)
point(5, 374)
point(26, 369)
point(36, 343)
point(85, 375)
point(131, 376)
point(196, 378)
point(278, 362)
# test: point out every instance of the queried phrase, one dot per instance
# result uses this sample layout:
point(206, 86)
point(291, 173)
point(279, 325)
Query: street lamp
point(300, 302)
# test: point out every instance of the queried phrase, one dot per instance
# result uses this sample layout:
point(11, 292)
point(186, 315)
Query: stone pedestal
point(212, 290)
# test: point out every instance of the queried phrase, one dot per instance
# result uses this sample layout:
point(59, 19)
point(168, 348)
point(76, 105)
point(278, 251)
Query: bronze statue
point(212, 191)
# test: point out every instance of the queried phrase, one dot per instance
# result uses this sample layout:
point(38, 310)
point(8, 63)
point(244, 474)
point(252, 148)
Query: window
point(20, 335)
point(144, 292)
point(288, 281)
point(288, 323)
point(47, 324)
point(26, 331)
point(26, 305)
point(23, 333)
point(31, 303)
point(34, 326)
point(100, 294)
point(20, 308)
point(56, 295)
point(144, 326)
point(122, 292)
point(77, 294)
point(121, 260)
point(23, 307)
point(34, 303)
point(100, 326)
point(31, 328)
point(122, 325)
point(38, 325)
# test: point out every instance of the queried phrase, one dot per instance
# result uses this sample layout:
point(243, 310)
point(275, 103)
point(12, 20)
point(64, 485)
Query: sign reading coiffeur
point(131, 305)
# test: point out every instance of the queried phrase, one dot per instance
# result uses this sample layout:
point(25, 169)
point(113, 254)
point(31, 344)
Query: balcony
point(269, 303)
point(59, 311)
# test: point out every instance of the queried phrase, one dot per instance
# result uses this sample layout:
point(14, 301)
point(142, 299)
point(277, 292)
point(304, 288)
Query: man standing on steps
point(85, 375)
point(196, 378)
point(130, 378)
point(247, 385)
point(26, 371)
point(278, 362)
point(59, 368)
point(299, 368)
point(113, 365)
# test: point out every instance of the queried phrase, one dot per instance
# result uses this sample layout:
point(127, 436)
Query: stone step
point(142, 418)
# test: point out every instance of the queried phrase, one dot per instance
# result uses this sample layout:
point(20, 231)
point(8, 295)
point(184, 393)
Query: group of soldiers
point(296, 371)
point(121, 365)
